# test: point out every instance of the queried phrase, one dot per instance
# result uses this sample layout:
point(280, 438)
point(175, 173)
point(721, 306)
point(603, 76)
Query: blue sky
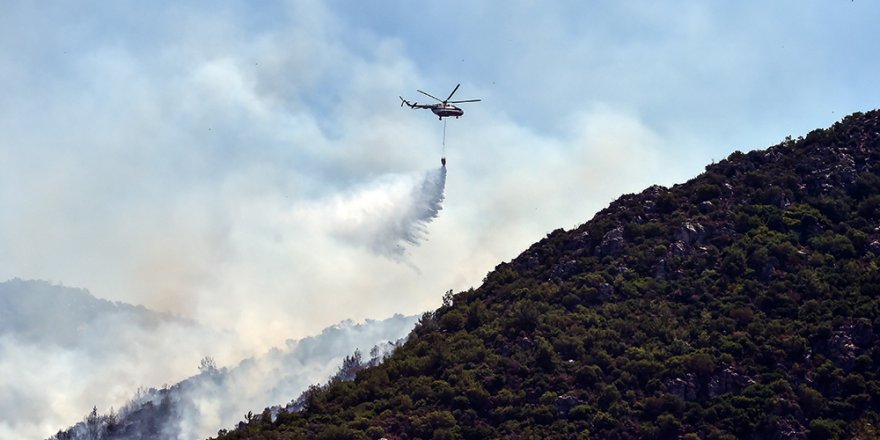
point(203, 157)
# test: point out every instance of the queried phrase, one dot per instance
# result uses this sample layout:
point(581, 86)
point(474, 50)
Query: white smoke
point(219, 398)
point(49, 377)
point(280, 376)
point(108, 355)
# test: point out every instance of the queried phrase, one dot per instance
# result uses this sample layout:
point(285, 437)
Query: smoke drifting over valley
point(63, 352)
point(56, 341)
point(219, 397)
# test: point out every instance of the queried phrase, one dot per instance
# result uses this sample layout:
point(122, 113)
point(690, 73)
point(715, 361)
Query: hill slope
point(199, 405)
point(741, 304)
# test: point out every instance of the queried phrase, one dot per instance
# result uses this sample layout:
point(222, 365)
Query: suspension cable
point(444, 138)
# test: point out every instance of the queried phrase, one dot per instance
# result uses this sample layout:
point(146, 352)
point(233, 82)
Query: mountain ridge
point(740, 304)
point(34, 311)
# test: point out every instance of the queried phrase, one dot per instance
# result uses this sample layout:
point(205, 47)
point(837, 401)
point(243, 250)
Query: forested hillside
point(741, 304)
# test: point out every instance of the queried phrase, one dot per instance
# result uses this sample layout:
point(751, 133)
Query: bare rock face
point(851, 340)
point(790, 429)
point(726, 381)
point(690, 233)
point(612, 243)
point(564, 270)
point(660, 269)
point(685, 388)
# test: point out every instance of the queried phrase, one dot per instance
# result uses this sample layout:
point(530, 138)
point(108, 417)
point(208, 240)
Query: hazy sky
point(233, 162)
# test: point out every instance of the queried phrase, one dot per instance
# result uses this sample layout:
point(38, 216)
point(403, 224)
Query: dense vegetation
point(741, 304)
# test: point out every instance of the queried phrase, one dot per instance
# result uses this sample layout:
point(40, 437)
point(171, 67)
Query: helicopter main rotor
point(430, 95)
point(447, 100)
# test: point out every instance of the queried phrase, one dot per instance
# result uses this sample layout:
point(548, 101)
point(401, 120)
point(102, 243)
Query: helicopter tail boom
point(412, 104)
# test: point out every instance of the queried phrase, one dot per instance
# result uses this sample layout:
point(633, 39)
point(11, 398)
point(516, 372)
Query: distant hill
point(202, 404)
point(43, 313)
point(63, 351)
point(743, 304)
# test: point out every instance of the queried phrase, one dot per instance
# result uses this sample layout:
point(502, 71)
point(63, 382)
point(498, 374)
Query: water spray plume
point(390, 214)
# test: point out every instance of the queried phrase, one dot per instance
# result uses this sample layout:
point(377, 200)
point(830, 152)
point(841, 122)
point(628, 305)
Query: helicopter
point(444, 109)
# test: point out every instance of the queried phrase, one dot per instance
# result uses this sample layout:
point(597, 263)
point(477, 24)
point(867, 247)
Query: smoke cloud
point(218, 398)
point(63, 352)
